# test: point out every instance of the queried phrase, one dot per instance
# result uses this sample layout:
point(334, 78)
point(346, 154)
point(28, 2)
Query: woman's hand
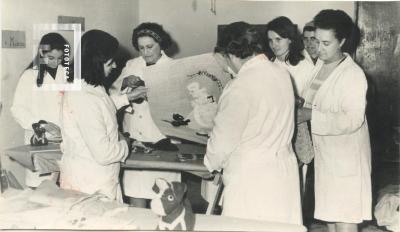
point(52, 129)
point(130, 81)
point(303, 115)
point(139, 92)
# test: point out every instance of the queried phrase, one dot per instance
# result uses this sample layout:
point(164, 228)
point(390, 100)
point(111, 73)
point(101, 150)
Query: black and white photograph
point(200, 115)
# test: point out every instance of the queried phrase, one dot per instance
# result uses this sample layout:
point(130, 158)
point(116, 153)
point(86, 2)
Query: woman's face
point(109, 65)
point(149, 49)
point(279, 45)
point(329, 48)
point(52, 58)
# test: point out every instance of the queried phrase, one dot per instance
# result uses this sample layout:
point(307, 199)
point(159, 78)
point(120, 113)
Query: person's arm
point(229, 124)
point(21, 108)
point(349, 114)
point(104, 147)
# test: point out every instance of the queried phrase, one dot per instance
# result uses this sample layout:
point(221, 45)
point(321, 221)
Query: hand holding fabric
point(303, 115)
point(131, 81)
point(137, 93)
point(52, 129)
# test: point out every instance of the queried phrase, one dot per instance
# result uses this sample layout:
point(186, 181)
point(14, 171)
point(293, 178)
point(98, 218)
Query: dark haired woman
point(36, 98)
point(92, 147)
point(251, 139)
point(287, 51)
point(336, 102)
point(150, 40)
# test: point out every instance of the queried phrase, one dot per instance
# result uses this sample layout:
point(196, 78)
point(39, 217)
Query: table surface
point(26, 154)
point(157, 160)
point(167, 160)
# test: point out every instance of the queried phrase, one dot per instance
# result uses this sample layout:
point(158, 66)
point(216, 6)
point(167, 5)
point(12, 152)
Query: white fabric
point(251, 142)
point(342, 146)
point(300, 74)
point(31, 104)
point(91, 148)
point(140, 125)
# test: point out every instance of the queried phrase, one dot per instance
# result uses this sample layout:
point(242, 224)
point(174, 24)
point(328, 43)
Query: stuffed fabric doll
point(172, 205)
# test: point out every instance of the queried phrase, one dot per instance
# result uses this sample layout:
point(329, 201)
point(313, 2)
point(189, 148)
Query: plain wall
point(194, 27)
point(116, 19)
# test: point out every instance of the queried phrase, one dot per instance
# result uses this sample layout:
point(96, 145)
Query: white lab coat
point(31, 104)
point(301, 75)
point(92, 152)
point(342, 146)
point(140, 125)
point(251, 142)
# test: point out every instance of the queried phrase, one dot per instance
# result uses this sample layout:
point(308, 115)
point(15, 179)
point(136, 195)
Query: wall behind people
point(194, 26)
point(117, 19)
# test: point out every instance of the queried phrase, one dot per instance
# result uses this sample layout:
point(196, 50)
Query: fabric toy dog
point(39, 136)
point(172, 205)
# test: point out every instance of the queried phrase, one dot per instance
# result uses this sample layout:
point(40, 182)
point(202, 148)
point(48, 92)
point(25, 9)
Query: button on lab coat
point(251, 142)
point(92, 152)
point(140, 126)
point(342, 146)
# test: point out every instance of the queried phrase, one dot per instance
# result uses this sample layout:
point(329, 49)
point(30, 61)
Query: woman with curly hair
point(150, 40)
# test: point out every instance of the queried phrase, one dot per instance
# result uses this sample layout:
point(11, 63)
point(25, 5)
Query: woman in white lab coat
point(251, 139)
point(150, 40)
point(38, 97)
point(92, 146)
point(336, 102)
point(286, 49)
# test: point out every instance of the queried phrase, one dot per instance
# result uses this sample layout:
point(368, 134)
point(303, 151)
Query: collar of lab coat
point(348, 61)
point(95, 90)
point(260, 58)
point(162, 59)
point(60, 78)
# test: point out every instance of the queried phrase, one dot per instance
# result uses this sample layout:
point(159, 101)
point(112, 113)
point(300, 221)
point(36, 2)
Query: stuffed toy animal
point(172, 205)
point(39, 136)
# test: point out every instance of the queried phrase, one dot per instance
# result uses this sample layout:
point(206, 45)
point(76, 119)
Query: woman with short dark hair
point(92, 148)
point(336, 102)
point(150, 40)
point(251, 139)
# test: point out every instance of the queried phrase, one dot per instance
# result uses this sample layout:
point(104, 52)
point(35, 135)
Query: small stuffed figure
point(39, 136)
point(172, 205)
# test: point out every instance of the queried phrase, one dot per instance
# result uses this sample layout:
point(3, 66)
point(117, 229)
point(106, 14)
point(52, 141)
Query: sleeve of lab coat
point(347, 115)
point(92, 125)
point(229, 124)
point(117, 97)
point(21, 108)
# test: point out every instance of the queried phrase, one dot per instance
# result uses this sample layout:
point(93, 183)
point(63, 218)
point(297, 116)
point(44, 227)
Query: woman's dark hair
point(286, 29)
point(97, 48)
point(47, 43)
point(342, 26)
point(241, 40)
point(154, 31)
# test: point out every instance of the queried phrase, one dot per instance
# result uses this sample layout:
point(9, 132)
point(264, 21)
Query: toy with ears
point(172, 205)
